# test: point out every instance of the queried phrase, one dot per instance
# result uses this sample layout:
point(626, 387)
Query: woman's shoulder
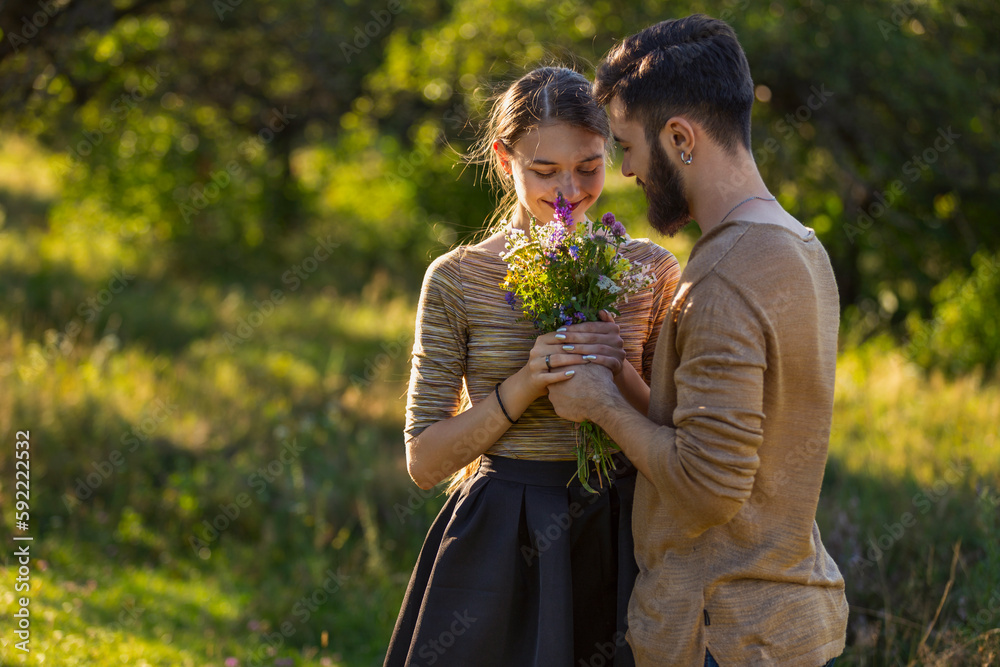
point(644, 250)
point(461, 259)
point(444, 273)
point(451, 258)
point(494, 244)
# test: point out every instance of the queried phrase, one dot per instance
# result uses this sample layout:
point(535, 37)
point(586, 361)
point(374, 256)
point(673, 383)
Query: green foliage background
point(214, 219)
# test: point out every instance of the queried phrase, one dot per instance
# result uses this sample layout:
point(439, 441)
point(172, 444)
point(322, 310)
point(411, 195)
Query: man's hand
point(589, 391)
point(591, 394)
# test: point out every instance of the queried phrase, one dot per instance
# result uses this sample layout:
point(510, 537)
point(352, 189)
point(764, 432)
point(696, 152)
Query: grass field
point(114, 580)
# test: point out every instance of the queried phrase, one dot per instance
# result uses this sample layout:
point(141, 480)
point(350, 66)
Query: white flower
point(606, 283)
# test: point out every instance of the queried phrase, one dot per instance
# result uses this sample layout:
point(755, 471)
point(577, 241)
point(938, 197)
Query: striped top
point(468, 339)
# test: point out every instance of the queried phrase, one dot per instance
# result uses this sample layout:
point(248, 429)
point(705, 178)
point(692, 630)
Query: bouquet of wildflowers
point(559, 274)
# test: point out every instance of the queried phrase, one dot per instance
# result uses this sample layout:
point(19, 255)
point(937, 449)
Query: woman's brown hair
point(542, 96)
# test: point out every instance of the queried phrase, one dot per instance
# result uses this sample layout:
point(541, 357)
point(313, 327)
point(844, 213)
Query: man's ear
point(677, 136)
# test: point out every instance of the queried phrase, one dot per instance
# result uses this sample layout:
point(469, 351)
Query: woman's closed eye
point(550, 174)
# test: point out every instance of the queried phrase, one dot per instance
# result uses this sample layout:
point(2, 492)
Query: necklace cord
point(751, 198)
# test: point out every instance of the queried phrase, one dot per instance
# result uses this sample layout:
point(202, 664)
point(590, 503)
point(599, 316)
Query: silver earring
point(689, 159)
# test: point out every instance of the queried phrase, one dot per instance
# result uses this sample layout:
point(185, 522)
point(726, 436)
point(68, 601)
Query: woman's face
point(556, 158)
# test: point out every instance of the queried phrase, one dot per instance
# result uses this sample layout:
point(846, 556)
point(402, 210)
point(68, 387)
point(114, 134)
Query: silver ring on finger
point(547, 364)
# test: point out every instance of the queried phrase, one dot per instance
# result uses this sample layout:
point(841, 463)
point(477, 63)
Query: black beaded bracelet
point(497, 390)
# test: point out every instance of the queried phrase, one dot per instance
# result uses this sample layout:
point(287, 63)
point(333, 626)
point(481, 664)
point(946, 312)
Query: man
point(732, 453)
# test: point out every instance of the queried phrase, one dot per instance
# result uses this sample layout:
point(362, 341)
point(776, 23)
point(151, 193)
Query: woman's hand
point(597, 342)
point(546, 363)
point(585, 343)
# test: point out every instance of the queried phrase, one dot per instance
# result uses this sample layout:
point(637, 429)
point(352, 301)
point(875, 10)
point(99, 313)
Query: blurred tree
point(963, 335)
point(876, 122)
point(161, 105)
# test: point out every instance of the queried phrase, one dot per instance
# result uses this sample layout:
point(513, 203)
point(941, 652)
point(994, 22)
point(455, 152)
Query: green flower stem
point(594, 451)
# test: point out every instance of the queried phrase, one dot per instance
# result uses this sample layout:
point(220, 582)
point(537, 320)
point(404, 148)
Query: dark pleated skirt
point(519, 569)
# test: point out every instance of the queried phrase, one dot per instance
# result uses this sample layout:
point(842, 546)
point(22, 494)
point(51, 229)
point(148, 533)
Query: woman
point(520, 568)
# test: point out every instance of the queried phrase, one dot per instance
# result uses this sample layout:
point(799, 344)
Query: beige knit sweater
point(729, 554)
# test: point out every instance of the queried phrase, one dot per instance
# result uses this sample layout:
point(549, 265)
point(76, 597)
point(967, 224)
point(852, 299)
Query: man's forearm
point(676, 469)
point(633, 432)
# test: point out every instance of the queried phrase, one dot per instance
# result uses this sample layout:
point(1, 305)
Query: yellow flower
point(622, 266)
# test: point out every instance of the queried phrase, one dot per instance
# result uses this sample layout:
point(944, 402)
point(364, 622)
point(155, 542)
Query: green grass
point(914, 473)
point(86, 609)
point(89, 609)
point(902, 443)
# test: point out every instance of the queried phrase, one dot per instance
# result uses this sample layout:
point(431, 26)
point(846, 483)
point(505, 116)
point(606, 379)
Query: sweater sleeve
point(705, 469)
point(437, 370)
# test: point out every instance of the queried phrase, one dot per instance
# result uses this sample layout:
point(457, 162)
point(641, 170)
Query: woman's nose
point(570, 188)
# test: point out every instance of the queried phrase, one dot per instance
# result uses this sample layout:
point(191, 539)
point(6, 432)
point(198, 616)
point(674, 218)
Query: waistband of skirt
point(546, 473)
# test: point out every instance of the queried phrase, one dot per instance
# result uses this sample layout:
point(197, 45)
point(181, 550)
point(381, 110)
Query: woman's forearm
point(447, 446)
point(633, 388)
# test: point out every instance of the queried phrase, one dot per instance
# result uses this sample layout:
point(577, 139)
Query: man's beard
point(668, 207)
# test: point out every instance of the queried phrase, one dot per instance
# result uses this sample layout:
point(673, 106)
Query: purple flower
point(581, 317)
point(574, 252)
point(511, 300)
point(564, 212)
point(556, 235)
point(616, 228)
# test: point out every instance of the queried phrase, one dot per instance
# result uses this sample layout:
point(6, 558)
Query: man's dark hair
point(691, 66)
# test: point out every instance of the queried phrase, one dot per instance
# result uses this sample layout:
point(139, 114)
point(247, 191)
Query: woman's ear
point(501, 151)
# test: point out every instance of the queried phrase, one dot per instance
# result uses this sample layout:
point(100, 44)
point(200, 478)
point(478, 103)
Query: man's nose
point(627, 167)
